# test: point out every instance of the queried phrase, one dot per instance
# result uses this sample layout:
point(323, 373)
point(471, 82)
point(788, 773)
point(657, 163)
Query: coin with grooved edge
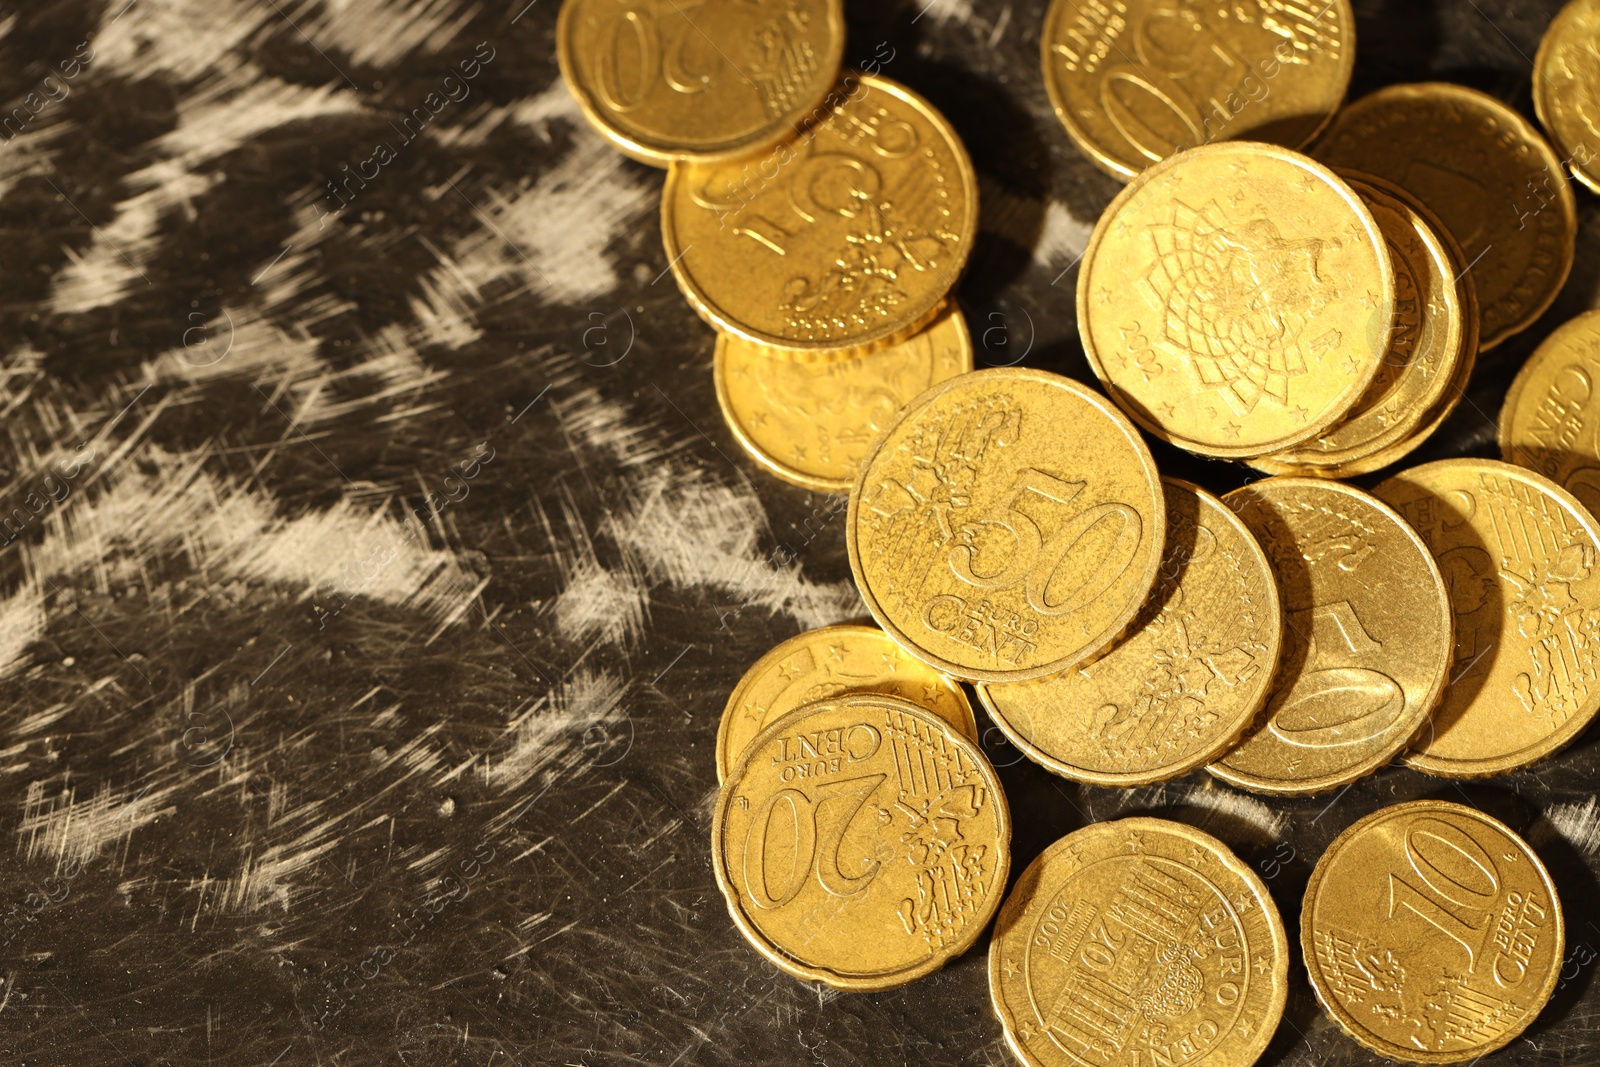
point(1432, 933)
point(712, 79)
point(1427, 340)
point(1136, 80)
point(1487, 173)
point(1008, 526)
point(861, 842)
point(846, 239)
point(1194, 669)
point(1441, 411)
point(1138, 942)
point(1566, 88)
point(1236, 299)
point(1367, 642)
point(1550, 421)
point(1519, 556)
point(824, 663)
point(811, 422)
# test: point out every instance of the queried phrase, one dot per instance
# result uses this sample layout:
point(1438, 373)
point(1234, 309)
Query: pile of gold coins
point(1316, 316)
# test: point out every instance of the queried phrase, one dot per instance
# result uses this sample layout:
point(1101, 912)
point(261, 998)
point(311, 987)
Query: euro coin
point(1441, 411)
point(1367, 642)
point(1518, 553)
point(810, 423)
point(1432, 933)
point(1566, 88)
point(861, 842)
point(1139, 941)
point(1425, 343)
point(1487, 173)
point(1008, 526)
point(1550, 421)
point(714, 79)
point(1194, 669)
point(1134, 81)
point(824, 663)
point(843, 240)
point(1236, 299)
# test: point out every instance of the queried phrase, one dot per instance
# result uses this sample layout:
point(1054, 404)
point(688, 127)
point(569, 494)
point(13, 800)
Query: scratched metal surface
point(378, 563)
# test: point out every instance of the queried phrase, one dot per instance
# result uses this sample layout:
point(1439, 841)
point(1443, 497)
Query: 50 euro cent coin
point(1176, 692)
point(1008, 526)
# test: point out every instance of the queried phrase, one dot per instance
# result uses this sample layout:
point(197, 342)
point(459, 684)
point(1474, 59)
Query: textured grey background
point(313, 754)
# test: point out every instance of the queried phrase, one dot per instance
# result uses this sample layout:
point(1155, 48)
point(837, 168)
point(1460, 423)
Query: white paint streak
point(553, 237)
point(542, 734)
point(383, 33)
point(230, 110)
point(610, 605)
point(1248, 810)
point(171, 505)
point(1062, 238)
point(258, 350)
point(180, 38)
point(1578, 823)
point(22, 622)
point(694, 533)
point(943, 12)
point(62, 829)
point(611, 427)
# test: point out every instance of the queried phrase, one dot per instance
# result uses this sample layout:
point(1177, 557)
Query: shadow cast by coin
point(1395, 38)
point(1471, 580)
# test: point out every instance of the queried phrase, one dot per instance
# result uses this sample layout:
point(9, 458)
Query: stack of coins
point(1315, 316)
point(818, 222)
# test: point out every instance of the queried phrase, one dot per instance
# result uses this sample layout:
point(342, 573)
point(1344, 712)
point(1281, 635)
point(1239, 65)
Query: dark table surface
point(383, 562)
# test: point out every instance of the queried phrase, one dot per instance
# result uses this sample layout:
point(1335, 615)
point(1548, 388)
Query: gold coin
point(1432, 933)
point(1137, 80)
point(712, 79)
point(1138, 942)
point(1566, 88)
point(1487, 173)
point(846, 239)
point(810, 423)
point(1367, 642)
point(1236, 299)
point(1193, 671)
point(1425, 343)
point(1518, 553)
point(1441, 411)
point(861, 842)
point(1008, 526)
point(1550, 422)
point(825, 663)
